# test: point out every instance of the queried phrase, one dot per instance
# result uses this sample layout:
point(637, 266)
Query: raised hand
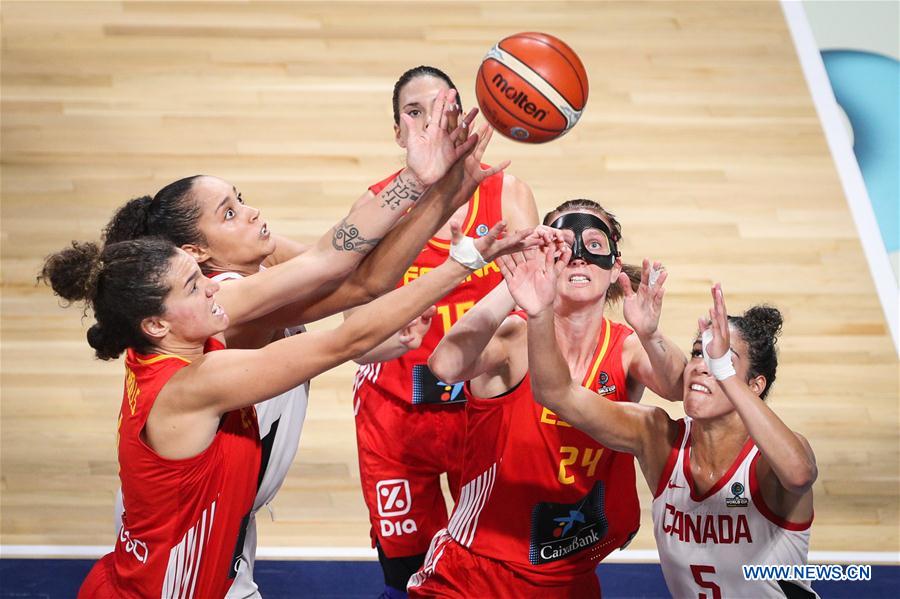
point(718, 323)
point(466, 174)
point(643, 307)
point(430, 147)
point(531, 276)
point(412, 334)
point(494, 243)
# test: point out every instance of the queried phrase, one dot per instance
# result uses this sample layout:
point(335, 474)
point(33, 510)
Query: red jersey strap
point(689, 476)
point(602, 348)
point(673, 459)
point(212, 344)
point(760, 502)
point(599, 354)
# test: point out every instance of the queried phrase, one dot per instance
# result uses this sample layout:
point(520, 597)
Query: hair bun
point(765, 319)
point(73, 272)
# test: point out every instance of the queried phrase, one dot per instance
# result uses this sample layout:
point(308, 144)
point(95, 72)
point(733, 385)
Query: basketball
point(531, 87)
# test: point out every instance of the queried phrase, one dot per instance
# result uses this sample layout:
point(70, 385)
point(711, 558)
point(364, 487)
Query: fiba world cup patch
point(737, 489)
point(559, 530)
point(428, 389)
point(605, 388)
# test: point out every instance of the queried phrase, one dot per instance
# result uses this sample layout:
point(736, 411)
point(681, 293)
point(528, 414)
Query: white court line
point(364, 553)
point(847, 167)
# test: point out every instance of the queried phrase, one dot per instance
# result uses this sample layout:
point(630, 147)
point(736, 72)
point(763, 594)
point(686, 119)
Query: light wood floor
point(699, 134)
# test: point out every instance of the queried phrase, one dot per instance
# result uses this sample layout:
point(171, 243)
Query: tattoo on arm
point(398, 191)
point(346, 237)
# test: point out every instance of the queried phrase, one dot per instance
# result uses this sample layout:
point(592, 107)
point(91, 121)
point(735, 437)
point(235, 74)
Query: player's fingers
point(660, 281)
point(702, 324)
point(645, 272)
point(506, 265)
point(455, 235)
point(625, 283)
point(412, 127)
point(467, 146)
point(495, 169)
point(485, 134)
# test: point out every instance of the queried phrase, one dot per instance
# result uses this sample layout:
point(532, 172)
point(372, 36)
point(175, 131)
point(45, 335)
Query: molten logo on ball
point(531, 87)
point(519, 98)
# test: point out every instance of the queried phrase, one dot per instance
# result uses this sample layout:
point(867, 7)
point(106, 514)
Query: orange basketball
point(531, 87)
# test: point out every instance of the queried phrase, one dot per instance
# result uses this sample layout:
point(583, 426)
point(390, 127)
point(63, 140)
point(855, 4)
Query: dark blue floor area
point(60, 579)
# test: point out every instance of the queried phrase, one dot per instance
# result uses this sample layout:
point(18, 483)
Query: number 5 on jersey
point(698, 571)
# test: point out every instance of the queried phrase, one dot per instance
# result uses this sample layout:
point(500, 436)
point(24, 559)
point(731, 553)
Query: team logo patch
point(393, 497)
point(482, 230)
point(604, 388)
point(394, 501)
point(559, 530)
point(737, 489)
point(428, 389)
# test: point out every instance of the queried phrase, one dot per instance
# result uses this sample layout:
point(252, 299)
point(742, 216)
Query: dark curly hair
point(122, 284)
point(759, 327)
point(419, 71)
point(615, 292)
point(172, 214)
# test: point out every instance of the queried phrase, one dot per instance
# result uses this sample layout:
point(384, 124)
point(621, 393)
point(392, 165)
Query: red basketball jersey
point(538, 494)
point(408, 378)
point(182, 517)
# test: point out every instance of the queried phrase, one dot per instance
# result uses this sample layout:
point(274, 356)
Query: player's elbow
point(800, 478)
point(440, 364)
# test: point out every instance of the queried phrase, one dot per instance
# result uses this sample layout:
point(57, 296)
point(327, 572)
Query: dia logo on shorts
point(393, 497)
point(394, 500)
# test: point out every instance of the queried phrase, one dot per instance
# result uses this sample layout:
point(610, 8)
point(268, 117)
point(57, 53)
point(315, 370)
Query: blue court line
point(60, 579)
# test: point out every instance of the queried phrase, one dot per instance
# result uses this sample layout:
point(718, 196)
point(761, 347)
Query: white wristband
point(467, 254)
point(721, 368)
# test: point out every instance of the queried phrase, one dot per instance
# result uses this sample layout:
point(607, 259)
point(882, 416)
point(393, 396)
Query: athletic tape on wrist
point(721, 368)
point(467, 254)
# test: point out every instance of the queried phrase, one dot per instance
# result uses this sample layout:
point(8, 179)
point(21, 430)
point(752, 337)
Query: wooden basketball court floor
point(699, 133)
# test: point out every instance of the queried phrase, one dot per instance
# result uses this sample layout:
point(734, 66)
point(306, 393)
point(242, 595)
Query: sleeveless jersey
point(408, 378)
point(280, 424)
point(182, 517)
point(538, 494)
point(704, 540)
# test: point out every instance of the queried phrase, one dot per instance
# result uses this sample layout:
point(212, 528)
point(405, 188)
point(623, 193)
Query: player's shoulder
point(514, 188)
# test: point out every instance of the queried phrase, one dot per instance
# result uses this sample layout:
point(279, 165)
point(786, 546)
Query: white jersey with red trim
point(704, 540)
point(280, 424)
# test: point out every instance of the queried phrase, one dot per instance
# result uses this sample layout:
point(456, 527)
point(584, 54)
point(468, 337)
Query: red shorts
point(403, 450)
point(99, 582)
point(451, 570)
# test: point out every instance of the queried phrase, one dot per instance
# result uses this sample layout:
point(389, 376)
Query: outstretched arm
point(651, 359)
point(519, 211)
point(406, 339)
point(472, 346)
point(482, 340)
point(640, 430)
point(217, 381)
point(788, 453)
point(383, 268)
point(336, 254)
point(187, 412)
